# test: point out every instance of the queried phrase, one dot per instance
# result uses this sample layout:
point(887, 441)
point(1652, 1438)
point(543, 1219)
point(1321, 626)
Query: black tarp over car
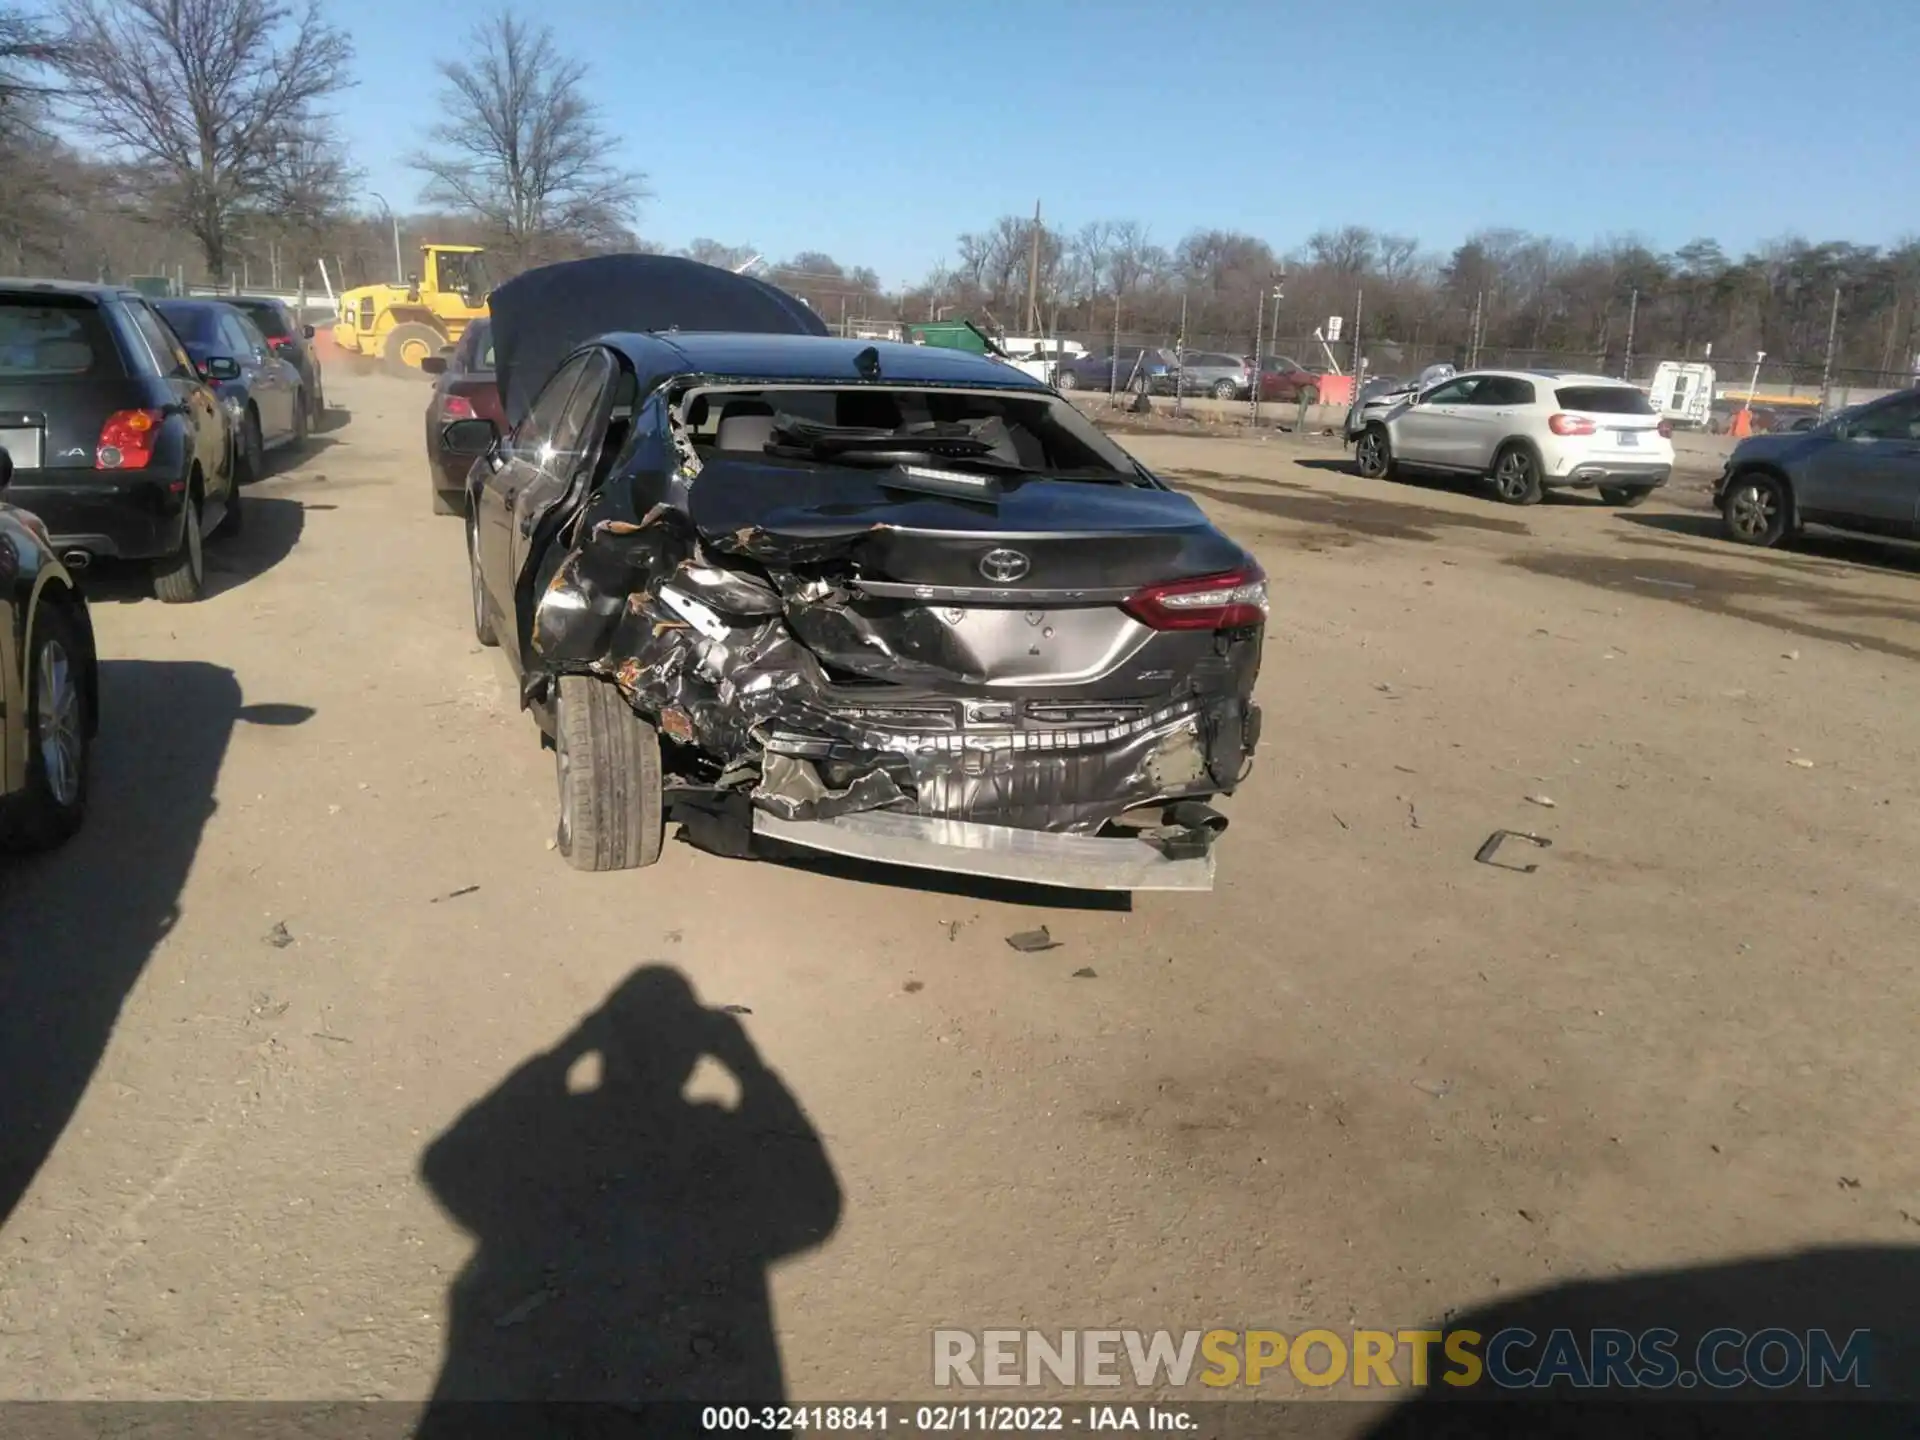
point(542, 316)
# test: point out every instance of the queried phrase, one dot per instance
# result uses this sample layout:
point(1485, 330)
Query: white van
point(1683, 393)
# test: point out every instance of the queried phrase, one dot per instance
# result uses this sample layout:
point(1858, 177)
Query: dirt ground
point(288, 1036)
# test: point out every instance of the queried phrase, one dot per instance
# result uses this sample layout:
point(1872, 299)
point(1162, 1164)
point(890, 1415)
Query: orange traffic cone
point(1742, 423)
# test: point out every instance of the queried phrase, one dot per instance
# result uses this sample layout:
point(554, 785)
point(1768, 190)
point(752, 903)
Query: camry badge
point(1003, 567)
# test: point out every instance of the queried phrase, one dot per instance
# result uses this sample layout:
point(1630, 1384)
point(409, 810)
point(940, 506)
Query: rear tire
point(49, 809)
point(1373, 453)
point(1066, 380)
point(181, 578)
point(1516, 476)
point(1626, 497)
point(607, 760)
point(1225, 390)
point(250, 461)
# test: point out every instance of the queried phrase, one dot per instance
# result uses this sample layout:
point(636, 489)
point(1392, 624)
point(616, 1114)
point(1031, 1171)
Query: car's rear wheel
point(445, 502)
point(54, 800)
point(483, 630)
point(1516, 476)
point(1066, 380)
point(181, 578)
point(1756, 507)
point(1225, 390)
point(250, 463)
point(1373, 453)
point(607, 760)
point(1625, 496)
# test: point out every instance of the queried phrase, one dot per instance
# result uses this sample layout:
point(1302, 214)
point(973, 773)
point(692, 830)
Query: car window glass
point(1453, 392)
point(1896, 420)
point(250, 335)
point(1501, 390)
point(552, 427)
point(160, 339)
point(267, 316)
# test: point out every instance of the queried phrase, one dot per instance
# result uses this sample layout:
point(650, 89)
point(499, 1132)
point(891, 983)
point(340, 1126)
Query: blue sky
point(878, 131)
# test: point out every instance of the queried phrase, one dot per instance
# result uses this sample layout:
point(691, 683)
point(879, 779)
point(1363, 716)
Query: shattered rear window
point(1033, 434)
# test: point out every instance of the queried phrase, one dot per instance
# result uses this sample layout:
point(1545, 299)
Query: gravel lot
point(288, 1037)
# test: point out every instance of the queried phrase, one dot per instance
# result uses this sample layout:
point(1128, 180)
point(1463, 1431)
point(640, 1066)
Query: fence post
point(1633, 311)
point(1180, 358)
point(1826, 370)
point(1259, 359)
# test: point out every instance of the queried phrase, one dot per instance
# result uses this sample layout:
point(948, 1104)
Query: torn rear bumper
point(997, 852)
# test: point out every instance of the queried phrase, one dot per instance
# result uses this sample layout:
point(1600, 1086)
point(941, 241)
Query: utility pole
point(1113, 370)
point(1473, 334)
point(1633, 311)
point(1359, 296)
point(1033, 275)
point(1826, 370)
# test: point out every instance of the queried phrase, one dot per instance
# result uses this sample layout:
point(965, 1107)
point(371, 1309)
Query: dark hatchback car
point(1859, 471)
point(292, 340)
point(117, 443)
point(881, 600)
point(261, 391)
point(49, 686)
point(463, 389)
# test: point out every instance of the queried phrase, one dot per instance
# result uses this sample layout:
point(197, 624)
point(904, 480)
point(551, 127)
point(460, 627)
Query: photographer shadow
point(624, 1231)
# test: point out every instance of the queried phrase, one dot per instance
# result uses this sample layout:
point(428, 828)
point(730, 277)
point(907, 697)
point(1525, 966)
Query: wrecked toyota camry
point(886, 601)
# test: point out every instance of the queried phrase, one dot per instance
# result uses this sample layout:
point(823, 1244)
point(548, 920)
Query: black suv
point(118, 444)
point(291, 340)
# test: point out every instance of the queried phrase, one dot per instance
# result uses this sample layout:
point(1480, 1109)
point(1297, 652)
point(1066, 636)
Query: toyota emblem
point(1003, 567)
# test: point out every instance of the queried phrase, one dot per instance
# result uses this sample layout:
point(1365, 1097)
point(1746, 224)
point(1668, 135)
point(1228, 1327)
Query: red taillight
point(276, 341)
point(456, 407)
point(1570, 425)
point(1212, 602)
point(127, 439)
point(1666, 429)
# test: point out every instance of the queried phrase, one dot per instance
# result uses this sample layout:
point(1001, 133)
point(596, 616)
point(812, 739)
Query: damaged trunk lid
point(1066, 539)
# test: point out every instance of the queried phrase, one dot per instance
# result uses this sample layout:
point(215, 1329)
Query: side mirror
point(434, 365)
point(470, 438)
point(220, 367)
point(306, 332)
point(6, 467)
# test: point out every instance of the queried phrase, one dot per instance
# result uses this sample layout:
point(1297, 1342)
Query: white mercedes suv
point(1528, 431)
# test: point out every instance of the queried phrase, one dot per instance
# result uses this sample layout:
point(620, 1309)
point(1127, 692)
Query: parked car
point(1287, 381)
point(292, 338)
point(49, 685)
point(117, 443)
point(1224, 377)
point(464, 388)
point(1141, 369)
point(264, 396)
point(1858, 471)
point(1528, 431)
point(882, 600)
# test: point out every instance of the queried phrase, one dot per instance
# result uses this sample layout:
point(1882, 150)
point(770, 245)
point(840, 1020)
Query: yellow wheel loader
point(401, 325)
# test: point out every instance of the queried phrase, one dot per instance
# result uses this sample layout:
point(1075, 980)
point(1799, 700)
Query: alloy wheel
point(57, 715)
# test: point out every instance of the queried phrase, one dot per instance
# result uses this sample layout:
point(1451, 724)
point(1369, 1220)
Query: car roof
point(817, 358)
point(1564, 377)
point(272, 300)
point(17, 285)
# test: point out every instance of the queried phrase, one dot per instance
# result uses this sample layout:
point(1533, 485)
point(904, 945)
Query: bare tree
point(218, 100)
point(523, 149)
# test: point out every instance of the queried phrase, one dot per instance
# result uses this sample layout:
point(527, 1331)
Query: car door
point(520, 460)
point(192, 395)
point(1865, 473)
point(1428, 432)
point(273, 383)
point(574, 443)
point(1484, 418)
